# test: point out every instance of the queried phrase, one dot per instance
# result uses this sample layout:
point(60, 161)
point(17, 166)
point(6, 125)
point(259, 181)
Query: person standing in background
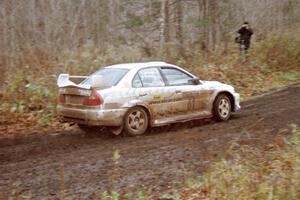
point(244, 39)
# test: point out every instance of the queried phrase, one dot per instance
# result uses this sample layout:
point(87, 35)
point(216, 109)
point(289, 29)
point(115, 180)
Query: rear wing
point(64, 81)
point(97, 82)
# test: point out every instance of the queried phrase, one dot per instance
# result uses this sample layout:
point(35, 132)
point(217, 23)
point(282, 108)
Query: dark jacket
point(245, 33)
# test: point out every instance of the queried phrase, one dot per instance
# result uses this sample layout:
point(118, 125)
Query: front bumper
point(236, 97)
point(92, 117)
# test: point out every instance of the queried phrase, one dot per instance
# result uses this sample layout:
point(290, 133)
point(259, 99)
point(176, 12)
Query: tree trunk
point(179, 34)
point(164, 29)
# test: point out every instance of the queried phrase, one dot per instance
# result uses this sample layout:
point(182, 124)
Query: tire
point(136, 121)
point(90, 129)
point(222, 108)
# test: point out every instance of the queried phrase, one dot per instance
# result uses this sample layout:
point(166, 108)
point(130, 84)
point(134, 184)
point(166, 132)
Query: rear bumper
point(92, 117)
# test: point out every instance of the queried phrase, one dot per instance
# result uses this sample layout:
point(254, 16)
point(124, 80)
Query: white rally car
point(134, 96)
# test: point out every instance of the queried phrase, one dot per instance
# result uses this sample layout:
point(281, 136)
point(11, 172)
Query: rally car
point(132, 97)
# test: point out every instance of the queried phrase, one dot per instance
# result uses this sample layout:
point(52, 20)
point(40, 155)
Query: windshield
point(111, 76)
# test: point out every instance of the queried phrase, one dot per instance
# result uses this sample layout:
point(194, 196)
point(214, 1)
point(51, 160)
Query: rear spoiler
point(64, 81)
point(97, 82)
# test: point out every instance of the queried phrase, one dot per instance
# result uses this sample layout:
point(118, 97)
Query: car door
point(150, 90)
point(191, 98)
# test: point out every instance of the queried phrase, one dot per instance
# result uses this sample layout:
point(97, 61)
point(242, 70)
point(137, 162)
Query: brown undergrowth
point(251, 173)
point(29, 97)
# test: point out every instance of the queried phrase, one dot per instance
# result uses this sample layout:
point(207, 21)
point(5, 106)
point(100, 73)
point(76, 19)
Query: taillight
point(94, 99)
point(61, 98)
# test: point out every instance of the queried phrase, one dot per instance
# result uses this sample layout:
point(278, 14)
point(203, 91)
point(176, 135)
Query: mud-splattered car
point(134, 96)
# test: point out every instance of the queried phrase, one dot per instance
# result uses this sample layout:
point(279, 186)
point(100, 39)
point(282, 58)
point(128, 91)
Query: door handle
point(143, 94)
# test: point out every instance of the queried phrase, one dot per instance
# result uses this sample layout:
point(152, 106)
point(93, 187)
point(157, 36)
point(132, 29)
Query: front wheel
point(136, 121)
point(222, 108)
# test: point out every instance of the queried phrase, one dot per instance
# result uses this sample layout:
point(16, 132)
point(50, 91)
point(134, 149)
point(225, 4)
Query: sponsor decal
point(157, 98)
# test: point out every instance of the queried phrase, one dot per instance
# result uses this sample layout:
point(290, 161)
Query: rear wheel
point(222, 108)
point(136, 121)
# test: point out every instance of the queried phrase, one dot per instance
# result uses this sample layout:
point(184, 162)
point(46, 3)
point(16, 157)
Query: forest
point(36, 33)
point(41, 39)
point(253, 156)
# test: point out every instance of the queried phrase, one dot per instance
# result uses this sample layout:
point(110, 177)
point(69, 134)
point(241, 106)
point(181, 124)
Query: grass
point(252, 174)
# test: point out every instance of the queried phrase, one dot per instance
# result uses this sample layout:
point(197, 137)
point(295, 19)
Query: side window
point(136, 83)
point(175, 76)
point(151, 77)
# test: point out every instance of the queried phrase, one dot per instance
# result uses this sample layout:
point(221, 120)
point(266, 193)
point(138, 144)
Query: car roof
point(139, 65)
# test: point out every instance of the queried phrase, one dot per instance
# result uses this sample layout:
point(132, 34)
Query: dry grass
point(253, 174)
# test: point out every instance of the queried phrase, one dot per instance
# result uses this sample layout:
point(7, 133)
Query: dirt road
point(42, 166)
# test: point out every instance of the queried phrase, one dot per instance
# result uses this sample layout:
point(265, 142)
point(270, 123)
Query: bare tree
point(33, 30)
point(179, 32)
point(164, 29)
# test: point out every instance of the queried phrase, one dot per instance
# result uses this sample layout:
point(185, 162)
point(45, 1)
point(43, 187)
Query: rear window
point(112, 76)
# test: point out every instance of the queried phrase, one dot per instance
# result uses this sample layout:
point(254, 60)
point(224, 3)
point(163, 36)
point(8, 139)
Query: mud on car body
point(134, 96)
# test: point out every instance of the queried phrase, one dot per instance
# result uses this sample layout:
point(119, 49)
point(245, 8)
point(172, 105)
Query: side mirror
point(98, 82)
point(194, 81)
